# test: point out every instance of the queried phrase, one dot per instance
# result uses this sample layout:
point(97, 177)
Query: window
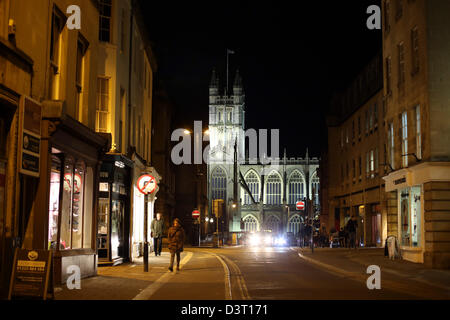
point(404, 139)
point(253, 184)
point(315, 186)
point(219, 184)
point(58, 22)
point(387, 22)
point(410, 216)
point(273, 189)
point(367, 122)
point(296, 187)
point(398, 9)
point(370, 118)
point(418, 134)
point(388, 76)
point(376, 160)
point(360, 167)
point(220, 116)
point(105, 9)
point(391, 145)
point(294, 224)
point(81, 51)
point(353, 131)
point(250, 224)
point(415, 50)
point(273, 224)
point(359, 128)
point(375, 115)
point(372, 163)
point(346, 135)
point(401, 64)
point(354, 169)
point(367, 165)
point(123, 34)
point(102, 105)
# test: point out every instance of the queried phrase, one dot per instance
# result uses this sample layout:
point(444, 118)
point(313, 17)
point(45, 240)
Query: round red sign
point(195, 214)
point(146, 184)
point(300, 205)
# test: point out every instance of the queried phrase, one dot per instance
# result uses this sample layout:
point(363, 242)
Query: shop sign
point(31, 276)
point(400, 181)
point(29, 136)
point(104, 187)
point(146, 184)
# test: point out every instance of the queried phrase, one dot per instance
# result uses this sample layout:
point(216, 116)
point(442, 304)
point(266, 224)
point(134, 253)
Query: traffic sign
point(146, 184)
point(300, 205)
point(195, 214)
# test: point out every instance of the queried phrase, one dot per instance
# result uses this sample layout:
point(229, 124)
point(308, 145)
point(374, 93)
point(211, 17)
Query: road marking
point(228, 295)
point(240, 278)
point(152, 288)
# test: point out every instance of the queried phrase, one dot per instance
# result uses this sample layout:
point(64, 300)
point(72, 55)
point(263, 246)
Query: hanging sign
point(146, 184)
point(30, 115)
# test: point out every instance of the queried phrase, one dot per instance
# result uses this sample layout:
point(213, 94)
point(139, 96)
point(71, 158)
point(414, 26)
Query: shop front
point(138, 205)
point(73, 166)
point(410, 213)
point(113, 244)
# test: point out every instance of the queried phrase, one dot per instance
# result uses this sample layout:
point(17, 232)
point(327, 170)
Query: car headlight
point(281, 241)
point(254, 240)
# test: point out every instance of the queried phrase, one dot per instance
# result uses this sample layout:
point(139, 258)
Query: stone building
point(50, 72)
point(416, 59)
point(124, 113)
point(275, 183)
point(356, 157)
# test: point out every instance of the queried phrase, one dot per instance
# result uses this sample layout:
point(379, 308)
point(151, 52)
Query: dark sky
point(291, 54)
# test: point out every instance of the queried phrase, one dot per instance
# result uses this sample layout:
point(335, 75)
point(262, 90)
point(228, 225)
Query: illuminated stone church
point(273, 185)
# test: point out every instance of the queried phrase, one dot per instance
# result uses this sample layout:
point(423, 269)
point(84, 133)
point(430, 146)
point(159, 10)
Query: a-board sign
point(31, 277)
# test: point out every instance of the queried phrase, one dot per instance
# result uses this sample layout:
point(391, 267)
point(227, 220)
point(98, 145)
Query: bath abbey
point(253, 192)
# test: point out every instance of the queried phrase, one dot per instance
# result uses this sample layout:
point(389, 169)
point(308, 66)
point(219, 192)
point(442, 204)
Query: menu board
point(31, 277)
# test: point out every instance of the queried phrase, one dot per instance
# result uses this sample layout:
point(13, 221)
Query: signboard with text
point(31, 274)
point(29, 136)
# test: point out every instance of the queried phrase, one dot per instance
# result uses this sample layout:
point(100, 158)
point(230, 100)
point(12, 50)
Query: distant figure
point(176, 242)
point(352, 224)
point(157, 229)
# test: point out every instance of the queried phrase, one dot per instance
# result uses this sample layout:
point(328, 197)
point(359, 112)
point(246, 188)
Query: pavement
point(353, 263)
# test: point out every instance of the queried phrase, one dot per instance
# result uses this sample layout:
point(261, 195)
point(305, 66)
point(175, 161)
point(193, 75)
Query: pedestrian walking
point(157, 229)
point(176, 242)
point(351, 228)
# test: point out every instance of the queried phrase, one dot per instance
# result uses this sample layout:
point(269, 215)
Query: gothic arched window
point(253, 184)
point(296, 187)
point(273, 189)
point(315, 185)
point(273, 223)
point(250, 224)
point(219, 184)
point(294, 224)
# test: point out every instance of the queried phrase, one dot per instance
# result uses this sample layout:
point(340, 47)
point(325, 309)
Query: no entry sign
point(146, 184)
point(195, 214)
point(300, 205)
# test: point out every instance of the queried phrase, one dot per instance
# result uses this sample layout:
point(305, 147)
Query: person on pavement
point(157, 228)
point(351, 228)
point(176, 242)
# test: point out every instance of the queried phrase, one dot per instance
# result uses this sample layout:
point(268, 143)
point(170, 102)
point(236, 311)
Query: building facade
point(275, 183)
point(124, 113)
point(416, 58)
point(356, 157)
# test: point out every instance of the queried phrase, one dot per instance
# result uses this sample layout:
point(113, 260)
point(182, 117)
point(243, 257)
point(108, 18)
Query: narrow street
point(241, 273)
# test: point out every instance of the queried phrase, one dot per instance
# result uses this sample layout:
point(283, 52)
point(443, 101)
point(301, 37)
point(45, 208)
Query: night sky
point(292, 56)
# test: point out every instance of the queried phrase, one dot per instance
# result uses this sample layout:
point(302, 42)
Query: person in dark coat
point(157, 228)
point(176, 242)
